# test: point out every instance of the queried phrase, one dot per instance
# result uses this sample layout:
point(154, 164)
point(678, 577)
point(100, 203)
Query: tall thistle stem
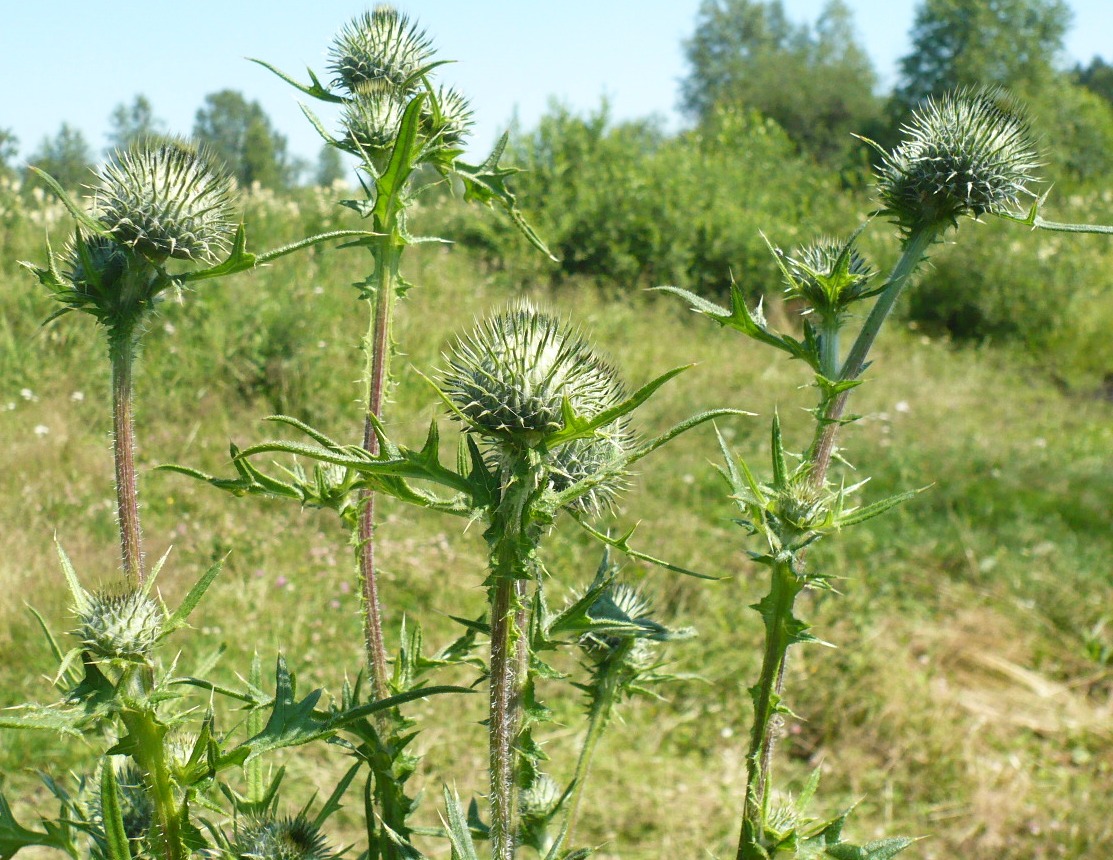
point(121, 350)
point(376, 347)
point(513, 541)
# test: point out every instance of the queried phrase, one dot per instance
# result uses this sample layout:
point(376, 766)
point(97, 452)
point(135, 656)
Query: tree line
point(237, 131)
point(814, 80)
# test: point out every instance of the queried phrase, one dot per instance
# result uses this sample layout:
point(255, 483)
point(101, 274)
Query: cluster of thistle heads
point(160, 199)
point(513, 381)
point(381, 62)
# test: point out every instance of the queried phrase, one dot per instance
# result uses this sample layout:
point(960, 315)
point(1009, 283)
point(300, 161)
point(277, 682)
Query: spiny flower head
point(166, 199)
point(582, 459)
point(379, 50)
point(371, 122)
point(510, 376)
point(539, 800)
point(452, 120)
point(827, 275)
point(965, 153)
point(119, 625)
point(281, 839)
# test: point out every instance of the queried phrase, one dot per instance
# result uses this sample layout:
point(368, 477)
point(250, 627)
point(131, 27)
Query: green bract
point(965, 153)
point(380, 49)
point(166, 200)
point(511, 375)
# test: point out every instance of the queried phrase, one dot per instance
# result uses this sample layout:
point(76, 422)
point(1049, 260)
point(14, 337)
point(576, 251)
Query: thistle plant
point(967, 154)
point(396, 122)
point(524, 387)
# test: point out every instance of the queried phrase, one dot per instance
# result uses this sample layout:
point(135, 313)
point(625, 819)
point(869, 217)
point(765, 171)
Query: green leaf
point(860, 515)
point(486, 183)
point(313, 89)
point(622, 544)
point(80, 215)
point(577, 427)
point(391, 184)
point(116, 838)
point(463, 848)
point(238, 260)
point(333, 805)
point(291, 722)
point(267, 256)
point(189, 603)
point(14, 836)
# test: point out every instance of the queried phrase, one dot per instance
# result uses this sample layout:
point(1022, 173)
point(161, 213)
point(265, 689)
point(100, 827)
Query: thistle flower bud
point(511, 375)
point(539, 800)
point(453, 119)
point(965, 153)
point(119, 626)
point(816, 276)
point(379, 50)
point(166, 199)
point(107, 259)
point(371, 123)
point(281, 839)
point(583, 458)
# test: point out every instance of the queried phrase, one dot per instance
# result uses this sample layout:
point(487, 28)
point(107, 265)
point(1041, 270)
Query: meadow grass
point(981, 711)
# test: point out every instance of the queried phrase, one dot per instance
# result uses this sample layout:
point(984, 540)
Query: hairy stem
point(508, 658)
point(121, 350)
point(376, 346)
point(776, 611)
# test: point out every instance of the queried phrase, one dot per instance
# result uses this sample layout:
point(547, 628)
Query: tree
point(9, 146)
point(240, 133)
point(67, 157)
point(128, 123)
point(1096, 77)
point(330, 166)
point(814, 81)
point(1011, 43)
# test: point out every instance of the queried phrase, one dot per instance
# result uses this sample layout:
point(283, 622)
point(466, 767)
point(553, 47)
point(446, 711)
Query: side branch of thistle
point(832, 411)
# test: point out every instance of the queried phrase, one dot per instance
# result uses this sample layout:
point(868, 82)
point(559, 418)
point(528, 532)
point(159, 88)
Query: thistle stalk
point(150, 755)
point(121, 350)
point(776, 610)
point(376, 347)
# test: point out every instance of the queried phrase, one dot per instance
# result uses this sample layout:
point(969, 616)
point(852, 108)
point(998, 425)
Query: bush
point(628, 205)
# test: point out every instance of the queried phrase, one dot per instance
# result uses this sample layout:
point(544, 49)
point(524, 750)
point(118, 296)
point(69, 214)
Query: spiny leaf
point(190, 601)
point(116, 838)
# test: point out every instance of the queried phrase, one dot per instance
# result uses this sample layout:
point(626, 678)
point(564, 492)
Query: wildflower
point(119, 626)
point(166, 200)
point(371, 123)
point(966, 153)
point(380, 50)
point(510, 377)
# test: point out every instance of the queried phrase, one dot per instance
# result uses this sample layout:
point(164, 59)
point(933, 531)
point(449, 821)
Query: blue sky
point(62, 60)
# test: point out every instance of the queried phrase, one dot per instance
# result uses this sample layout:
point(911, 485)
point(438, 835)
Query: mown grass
point(968, 698)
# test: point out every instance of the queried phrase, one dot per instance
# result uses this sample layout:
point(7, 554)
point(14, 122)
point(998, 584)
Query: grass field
point(971, 693)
